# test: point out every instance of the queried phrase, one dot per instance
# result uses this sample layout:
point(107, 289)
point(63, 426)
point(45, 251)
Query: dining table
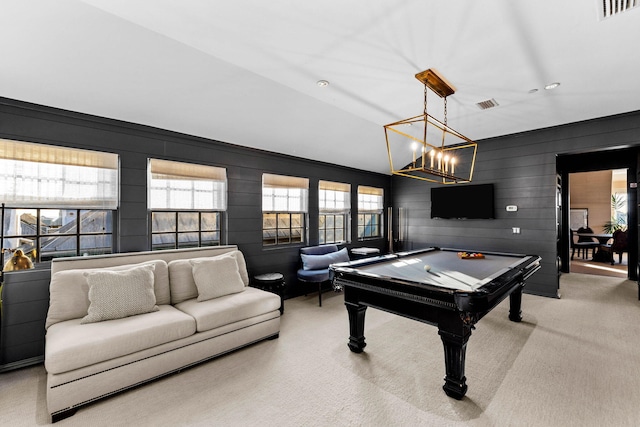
point(603, 239)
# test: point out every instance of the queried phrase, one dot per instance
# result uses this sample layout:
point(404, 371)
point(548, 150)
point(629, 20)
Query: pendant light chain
point(445, 121)
point(445, 110)
point(425, 114)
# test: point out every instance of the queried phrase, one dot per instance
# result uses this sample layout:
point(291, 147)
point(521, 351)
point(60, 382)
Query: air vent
point(489, 103)
point(609, 8)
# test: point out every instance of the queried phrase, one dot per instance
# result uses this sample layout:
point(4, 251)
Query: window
point(44, 234)
point(335, 208)
point(187, 202)
point(284, 208)
point(370, 208)
point(56, 201)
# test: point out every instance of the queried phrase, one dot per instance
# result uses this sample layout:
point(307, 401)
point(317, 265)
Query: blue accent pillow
point(319, 262)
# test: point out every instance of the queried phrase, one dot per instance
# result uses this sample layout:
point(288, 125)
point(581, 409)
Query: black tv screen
point(462, 202)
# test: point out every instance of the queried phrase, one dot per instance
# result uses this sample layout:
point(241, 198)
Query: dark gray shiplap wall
point(25, 301)
point(522, 168)
point(135, 144)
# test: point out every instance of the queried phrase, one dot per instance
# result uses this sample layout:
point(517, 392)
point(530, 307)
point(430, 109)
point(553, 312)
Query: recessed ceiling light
point(533, 91)
point(552, 86)
point(322, 83)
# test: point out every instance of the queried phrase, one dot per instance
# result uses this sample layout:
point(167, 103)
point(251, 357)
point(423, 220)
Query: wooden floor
point(586, 266)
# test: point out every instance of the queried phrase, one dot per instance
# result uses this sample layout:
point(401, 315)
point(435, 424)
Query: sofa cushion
point(231, 308)
point(118, 294)
point(71, 345)
point(183, 286)
point(319, 262)
point(69, 290)
point(216, 277)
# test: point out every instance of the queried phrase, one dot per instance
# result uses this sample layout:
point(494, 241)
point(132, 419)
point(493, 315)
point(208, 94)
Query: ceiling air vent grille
point(609, 8)
point(489, 103)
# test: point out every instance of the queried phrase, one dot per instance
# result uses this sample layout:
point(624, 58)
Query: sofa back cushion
point(183, 285)
point(69, 290)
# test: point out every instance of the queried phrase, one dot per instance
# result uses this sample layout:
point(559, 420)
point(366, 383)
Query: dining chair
point(584, 245)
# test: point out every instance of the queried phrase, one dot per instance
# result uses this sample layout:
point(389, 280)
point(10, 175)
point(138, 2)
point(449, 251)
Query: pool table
point(435, 286)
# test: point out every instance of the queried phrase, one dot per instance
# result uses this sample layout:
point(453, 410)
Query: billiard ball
point(427, 267)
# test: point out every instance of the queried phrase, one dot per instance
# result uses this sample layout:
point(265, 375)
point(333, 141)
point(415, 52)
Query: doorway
point(598, 205)
point(603, 162)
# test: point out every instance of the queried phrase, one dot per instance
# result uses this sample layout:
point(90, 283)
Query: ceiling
point(245, 71)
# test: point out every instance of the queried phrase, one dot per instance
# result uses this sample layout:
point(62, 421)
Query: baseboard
point(22, 363)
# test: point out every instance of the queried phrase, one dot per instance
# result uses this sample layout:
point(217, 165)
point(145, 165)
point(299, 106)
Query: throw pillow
point(319, 262)
point(118, 294)
point(340, 256)
point(183, 286)
point(216, 277)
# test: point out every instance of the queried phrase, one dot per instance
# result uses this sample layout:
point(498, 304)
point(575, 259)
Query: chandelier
point(426, 148)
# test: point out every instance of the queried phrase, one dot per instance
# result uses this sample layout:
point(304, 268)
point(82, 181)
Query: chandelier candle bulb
point(414, 145)
point(424, 151)
point(453, 162)
point(431, 154)
point(446, 163)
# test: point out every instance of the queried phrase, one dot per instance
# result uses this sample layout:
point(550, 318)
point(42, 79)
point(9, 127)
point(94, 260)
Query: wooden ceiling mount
point(436, 82)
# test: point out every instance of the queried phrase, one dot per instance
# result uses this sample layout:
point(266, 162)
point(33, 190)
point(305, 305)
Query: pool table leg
point(356, 326)
point(455, 349)
point(515, 304)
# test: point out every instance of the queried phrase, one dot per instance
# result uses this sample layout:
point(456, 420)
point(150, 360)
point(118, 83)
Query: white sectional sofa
point(194, 306)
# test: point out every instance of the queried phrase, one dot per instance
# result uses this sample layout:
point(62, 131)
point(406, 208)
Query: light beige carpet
point(573, 361)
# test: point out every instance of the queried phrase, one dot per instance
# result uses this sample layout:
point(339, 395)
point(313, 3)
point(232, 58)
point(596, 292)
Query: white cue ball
point(427, 267)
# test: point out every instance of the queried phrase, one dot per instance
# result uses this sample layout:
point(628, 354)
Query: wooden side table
point(271, 282)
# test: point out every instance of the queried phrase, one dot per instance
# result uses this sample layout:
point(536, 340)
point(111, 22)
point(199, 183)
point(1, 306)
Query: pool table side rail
point(435, 300)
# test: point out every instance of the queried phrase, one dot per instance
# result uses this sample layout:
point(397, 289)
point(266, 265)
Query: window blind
point(370, 199)
point(284, 193)
point(39, 175)
point(334, 196)
point(186, 186)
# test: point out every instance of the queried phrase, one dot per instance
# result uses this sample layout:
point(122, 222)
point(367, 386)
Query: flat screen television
point(462, 202)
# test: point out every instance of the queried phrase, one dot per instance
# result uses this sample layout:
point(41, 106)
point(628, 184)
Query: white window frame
point(281, 196)
point(334, 198)
point(40, 179)
point(176, 189)
point(370, 203)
